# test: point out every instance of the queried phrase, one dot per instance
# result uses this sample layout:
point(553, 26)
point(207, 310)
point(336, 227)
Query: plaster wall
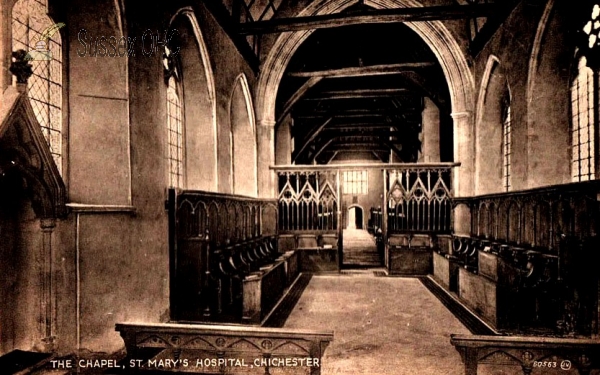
point(114, 266)
point(540, 114)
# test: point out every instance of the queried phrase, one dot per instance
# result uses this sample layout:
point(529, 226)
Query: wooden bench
point(410, 254)
point(506, 285)
point(210, 349)
point(262, 290)
point(317, 251)
point(542, 353)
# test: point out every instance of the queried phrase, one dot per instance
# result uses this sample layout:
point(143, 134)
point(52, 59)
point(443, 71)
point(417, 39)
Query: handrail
point(225, 330)
point(382, 166)
point(210, 194)
point(572, 187)
point(536, 217)
point(479, 341)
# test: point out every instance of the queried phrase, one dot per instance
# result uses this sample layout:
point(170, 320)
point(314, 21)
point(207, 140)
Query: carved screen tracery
point(308, 200)
point(419, 200)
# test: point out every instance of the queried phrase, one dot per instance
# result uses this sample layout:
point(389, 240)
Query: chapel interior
point(370, 186)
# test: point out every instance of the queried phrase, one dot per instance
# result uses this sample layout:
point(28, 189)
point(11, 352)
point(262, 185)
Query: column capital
point(461, 115)
point(266, 123)
point(47, 224)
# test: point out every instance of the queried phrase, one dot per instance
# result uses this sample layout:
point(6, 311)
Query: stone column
point(47, 288)
point(283, 139)
point(463, 177)
point(464, 153)
point(266, 157)
point(430, 133)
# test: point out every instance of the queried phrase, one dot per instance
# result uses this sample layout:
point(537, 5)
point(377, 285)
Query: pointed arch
point(446, 49)
point(493, 145)
point(490, 66)
point(243, 139)
point(434, 33)
point(199, 102)
point(535, 54)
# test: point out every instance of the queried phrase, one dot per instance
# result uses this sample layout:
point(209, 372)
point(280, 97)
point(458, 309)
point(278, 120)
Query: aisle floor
point(381, 325)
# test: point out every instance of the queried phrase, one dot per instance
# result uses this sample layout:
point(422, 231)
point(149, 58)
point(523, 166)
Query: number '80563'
point(548, 364)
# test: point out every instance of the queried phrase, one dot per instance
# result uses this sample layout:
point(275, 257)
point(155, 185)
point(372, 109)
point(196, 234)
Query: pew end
point(527, 352)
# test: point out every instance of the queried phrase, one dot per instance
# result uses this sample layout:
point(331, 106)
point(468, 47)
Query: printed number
point(549, 364)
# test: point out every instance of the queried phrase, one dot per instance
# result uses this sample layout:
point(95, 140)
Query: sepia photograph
point(323, 187)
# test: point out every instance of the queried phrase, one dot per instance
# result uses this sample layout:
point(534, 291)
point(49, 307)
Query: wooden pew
point(542, 353)
point(222, 349)
point(317, 250)
point(410, 254)
point(262, 290)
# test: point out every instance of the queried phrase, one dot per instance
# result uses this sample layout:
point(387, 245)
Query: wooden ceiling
point(360, 89)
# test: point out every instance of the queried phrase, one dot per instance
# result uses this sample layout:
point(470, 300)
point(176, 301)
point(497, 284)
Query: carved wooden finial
point(20, 67)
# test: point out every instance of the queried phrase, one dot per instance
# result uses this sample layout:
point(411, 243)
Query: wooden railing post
point(384, 217)
point(206, 292)
point(172, 219)
point(340, 226)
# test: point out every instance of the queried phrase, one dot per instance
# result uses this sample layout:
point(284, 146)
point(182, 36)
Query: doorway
point(355, 218)
point(359, 246)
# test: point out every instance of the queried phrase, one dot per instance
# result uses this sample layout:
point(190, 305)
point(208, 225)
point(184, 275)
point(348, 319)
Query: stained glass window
point(30, 21)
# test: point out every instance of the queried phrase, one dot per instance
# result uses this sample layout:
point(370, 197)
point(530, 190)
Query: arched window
point(175, 150)
point(32, 31)
point(582, 123)
point(506, 141)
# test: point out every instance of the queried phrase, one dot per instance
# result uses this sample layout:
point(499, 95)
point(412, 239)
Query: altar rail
point(543, 353)
point(223, 349)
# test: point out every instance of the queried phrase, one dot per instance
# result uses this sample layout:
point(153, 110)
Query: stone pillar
point(463, 176)
point(266, 157)
point(47, 288)
point(464, 153)
point(430, 133)
point(283, 139)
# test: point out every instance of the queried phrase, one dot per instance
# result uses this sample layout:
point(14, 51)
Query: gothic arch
point(546, 82)
point(199, 95)
point(491, 64)
point(243, 130)
point(535, 52)
point(489, 128)
point(434, 33)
